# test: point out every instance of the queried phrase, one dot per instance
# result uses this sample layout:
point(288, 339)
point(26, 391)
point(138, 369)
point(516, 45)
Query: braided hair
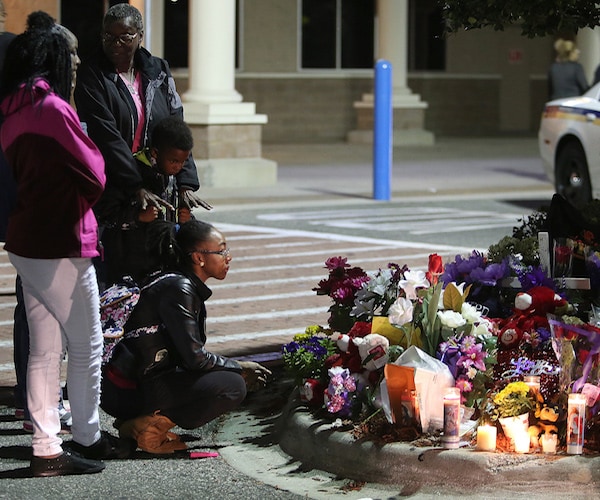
point(41, 51)
point(169, 247)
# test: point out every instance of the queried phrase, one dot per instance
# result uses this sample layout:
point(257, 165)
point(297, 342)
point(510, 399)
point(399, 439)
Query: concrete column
point(409, 110)
point(392, 40)
point(211, 96)
point(227, 132)
point(588, 41)
point(212, 52)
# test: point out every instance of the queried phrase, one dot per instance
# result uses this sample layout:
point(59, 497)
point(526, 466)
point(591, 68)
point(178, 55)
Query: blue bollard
point(382, 131)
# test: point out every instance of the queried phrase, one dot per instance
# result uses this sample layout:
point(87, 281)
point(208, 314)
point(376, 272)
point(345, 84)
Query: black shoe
point(106, 448)
point(64, 465)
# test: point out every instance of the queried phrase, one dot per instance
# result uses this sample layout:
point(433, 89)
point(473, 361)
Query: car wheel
point(572, 175)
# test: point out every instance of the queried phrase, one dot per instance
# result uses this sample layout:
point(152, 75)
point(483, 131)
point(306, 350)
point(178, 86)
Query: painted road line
point(231, 318)
point(311, 253)
point(362, 260)
point(255, 335)
point(254, 298)
point(340, 238)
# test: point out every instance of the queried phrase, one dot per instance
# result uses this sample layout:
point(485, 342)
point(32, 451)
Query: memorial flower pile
point(487, 319)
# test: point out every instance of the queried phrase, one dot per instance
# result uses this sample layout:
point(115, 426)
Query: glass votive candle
point(575, 423)
point(451, 437)
point(549, 442)
point(521, 440)
point(486, 438)
point(533, 381)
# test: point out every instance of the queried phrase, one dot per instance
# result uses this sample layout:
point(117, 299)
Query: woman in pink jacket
point(51, 238)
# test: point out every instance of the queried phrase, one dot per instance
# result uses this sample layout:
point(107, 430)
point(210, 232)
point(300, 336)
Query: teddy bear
point(529, 314)
point(361, 352)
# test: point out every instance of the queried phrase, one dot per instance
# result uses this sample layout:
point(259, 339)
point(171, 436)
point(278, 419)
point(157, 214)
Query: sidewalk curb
point(317, 443)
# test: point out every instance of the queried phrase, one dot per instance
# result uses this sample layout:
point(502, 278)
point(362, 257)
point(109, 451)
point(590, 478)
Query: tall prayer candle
point(575, 423)
point(451, 436)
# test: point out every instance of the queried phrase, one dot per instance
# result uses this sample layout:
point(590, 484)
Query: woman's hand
point(254, 374)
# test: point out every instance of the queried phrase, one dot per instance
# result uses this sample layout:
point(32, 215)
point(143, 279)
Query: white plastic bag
point(431, 378)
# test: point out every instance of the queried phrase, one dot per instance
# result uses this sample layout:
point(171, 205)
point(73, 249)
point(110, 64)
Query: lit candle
point(549, 442)
point(486, 438)
point(521, 439)
point(451, 437)
point(575, 423)
point(533, 381)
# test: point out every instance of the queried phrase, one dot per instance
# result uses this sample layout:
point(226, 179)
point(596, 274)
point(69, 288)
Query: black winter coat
point(105, 105)
point(174, 302)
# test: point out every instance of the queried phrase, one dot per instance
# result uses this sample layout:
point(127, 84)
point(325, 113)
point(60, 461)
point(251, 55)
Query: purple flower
point(473, 357)
point(291, 348)
point(333, 263)
point(491, 274)
point(460, 270)
point(534, 276)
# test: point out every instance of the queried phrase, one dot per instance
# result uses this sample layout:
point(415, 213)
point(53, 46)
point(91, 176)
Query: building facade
point(303, 65)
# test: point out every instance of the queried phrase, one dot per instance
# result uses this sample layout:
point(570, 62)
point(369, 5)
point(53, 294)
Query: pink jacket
point(59, 173)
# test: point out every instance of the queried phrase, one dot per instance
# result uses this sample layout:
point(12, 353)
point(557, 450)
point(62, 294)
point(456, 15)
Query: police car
point(569, 142)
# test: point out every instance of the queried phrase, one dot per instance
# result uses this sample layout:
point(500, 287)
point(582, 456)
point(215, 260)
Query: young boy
point(171, 143)
point(130, 248)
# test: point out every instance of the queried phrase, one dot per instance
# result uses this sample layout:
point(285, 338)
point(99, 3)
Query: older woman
point(56, 165)
point(121, 93)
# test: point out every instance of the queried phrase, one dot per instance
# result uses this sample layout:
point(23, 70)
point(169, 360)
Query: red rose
point(436, 267)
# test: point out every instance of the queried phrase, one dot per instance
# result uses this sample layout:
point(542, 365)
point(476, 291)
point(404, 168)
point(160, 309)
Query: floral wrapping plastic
point(116, 304)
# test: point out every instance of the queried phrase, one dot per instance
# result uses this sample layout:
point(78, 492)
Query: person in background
point(160, 374)
point(121, 93)
point(54, 164)
point(134, 253)
point(566, 77)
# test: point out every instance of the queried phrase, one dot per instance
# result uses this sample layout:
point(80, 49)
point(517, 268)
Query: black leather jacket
point(105, 105)
point(175, 302)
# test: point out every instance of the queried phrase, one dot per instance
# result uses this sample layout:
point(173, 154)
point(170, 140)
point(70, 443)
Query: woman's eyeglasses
point(124, 39)
point(223, 253)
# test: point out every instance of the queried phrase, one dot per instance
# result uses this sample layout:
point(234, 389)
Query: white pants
point(62, 304)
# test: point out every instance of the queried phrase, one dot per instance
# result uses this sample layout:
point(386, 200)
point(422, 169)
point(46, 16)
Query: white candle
point(521, 439)
point(575, 423)
point(549, 442)
point(533, 381)
point(486, 438)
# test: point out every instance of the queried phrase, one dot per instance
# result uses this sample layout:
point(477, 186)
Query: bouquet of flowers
point(341, 395)
point(513, 400)
point(341, 285)
point(304, 357)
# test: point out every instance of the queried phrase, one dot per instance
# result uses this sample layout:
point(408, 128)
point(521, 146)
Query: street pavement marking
point(255, 335)
point(340, 238)
point(254, 298)
point(363, 260)
point(231, 318)
point(410, 219)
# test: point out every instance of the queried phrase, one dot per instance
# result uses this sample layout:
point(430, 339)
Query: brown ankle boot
point(152, 434)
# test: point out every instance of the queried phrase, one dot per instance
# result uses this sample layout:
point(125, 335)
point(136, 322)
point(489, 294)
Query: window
point(337, 34)
point(176, 33)
point(427, 43)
